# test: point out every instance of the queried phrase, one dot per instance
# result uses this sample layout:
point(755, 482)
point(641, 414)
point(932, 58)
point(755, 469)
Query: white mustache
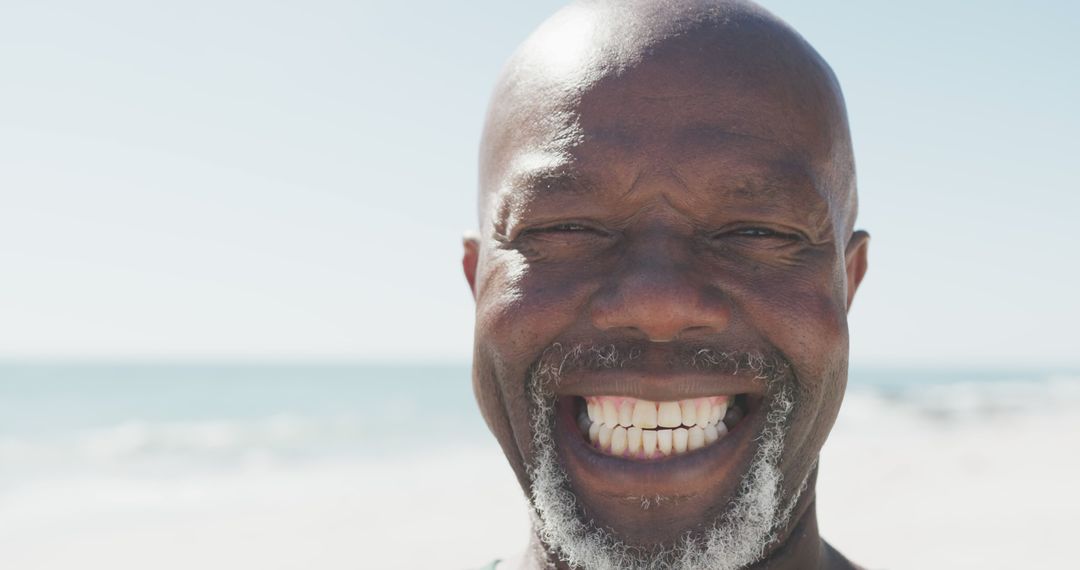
point(559, 359)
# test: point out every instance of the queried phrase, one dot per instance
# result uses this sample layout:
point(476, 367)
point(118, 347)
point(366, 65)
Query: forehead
point(710, 109)
point(739, 139)
point(699, 89)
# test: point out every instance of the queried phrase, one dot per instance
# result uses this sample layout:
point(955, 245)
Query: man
point(662, 275)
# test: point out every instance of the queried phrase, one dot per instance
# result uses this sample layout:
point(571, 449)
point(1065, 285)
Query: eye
point(758, 236)
point(563, 240)
point(565, 228)
point(756, 232)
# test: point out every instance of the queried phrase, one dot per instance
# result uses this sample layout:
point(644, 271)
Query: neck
point(802, 546)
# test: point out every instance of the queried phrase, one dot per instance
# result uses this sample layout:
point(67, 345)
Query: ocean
point(157, 465)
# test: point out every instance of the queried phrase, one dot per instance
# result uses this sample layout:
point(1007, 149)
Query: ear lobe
point(856, 262)
point(470, 259)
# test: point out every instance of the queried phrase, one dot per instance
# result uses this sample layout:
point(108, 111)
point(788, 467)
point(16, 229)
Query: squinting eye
point(562, 240)
point(567, 227)
point(758, 236)
point(756, 232)
point(763, 232)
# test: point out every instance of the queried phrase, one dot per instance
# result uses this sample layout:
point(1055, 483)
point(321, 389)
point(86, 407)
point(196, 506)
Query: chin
point(626, 475)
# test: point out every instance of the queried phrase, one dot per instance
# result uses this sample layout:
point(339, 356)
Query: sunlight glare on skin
point(567, 43)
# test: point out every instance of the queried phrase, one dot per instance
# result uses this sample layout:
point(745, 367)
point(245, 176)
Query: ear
point(855, 257)
point(470, 258)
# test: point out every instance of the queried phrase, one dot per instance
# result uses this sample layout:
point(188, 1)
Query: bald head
point(644, 74)
point(665, 176)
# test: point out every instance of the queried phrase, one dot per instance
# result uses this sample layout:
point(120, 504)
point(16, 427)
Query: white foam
point(141, 444)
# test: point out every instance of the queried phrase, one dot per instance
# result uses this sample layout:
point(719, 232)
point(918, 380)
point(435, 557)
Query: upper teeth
point(628, 426)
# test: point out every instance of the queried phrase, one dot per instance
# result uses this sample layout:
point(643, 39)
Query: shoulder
point(836, 561)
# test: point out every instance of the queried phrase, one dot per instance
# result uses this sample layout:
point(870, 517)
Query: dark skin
point(668, 173)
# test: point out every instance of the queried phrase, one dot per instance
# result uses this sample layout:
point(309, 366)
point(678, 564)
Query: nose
point(658, 291)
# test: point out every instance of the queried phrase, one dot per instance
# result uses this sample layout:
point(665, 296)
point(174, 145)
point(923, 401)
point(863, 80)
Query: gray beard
point(737, 538)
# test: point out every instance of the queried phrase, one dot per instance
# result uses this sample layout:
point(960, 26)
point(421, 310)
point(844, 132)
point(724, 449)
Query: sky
point(291, 180)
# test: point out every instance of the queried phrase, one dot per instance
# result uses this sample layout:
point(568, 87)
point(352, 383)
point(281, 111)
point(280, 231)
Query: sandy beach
point(950, 477)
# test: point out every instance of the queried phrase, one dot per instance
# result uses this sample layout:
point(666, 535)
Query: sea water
point(187, 465)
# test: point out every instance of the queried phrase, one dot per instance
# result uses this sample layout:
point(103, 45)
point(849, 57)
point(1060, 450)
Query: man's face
point(673, 237)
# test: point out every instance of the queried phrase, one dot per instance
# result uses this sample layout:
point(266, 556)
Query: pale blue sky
point(236, 179)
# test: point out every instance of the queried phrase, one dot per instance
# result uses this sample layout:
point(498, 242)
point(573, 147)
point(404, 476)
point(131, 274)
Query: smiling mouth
point(644, 430)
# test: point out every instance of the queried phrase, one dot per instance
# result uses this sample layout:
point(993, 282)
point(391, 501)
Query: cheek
point(802, 311)
point(520, 311)
point(803, 315)
point(523, 308)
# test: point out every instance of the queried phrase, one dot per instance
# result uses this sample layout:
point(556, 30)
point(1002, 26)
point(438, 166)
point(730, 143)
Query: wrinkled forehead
point(753, 93)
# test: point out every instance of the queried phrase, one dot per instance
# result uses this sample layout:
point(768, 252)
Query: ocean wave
point(973, 399)
point(192, 441)
point(895, 406)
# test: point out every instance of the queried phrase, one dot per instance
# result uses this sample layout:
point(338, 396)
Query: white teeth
point(644, 414)
point(663, 441)
point(627, 427)
point(618, 440)
point(704, 412)
point(633, 440)
point(689, 412)
point(626, 411)
point(696, 439)
point(668, 415)
point(679, 438)
point(604, 438)
point(711, 434)
point(610, 414)
point(718, 411)
point(648, 443)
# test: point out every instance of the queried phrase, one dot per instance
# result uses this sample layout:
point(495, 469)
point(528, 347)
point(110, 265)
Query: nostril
point(661, 310)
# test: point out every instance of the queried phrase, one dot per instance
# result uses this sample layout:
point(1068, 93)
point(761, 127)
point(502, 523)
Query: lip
point(712, 471)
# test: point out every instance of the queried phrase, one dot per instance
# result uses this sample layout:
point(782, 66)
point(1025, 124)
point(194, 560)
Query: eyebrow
point(559, 180)
point(773, 185)
point(776, 186)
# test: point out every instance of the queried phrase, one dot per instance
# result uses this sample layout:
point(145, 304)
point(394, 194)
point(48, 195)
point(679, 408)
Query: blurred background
point(234, 332)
